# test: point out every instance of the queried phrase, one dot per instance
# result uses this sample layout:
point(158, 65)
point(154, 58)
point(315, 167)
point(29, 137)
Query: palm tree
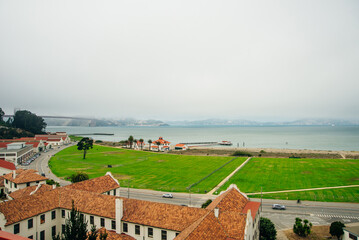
point(158, 144)
point(149, 142)
point(130, 140)
point(141, 141)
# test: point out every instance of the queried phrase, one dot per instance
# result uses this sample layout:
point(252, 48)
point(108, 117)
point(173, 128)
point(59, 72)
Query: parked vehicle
point(278, 206)
point(167, 195)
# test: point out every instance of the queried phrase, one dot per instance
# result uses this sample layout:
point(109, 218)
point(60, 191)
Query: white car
point(167, 195)
point(278, 206)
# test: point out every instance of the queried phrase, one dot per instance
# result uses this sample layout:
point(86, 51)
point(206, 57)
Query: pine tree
point(76, 226)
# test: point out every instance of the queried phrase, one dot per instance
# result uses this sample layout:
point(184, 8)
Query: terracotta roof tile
point(7, 165)
point(9, 236)
point(2, 181)
point(232, 200)
point(98, 185)
point(24, 176)
point(26, 191)
point(167, 216)
point(253, 206)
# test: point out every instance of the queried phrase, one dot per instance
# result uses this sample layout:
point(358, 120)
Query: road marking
point(335, 216)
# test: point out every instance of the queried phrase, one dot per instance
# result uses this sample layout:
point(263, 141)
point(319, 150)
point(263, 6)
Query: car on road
point(167, 195)
point(278, 206)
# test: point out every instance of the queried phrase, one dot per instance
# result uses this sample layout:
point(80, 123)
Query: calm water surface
point(291, 137)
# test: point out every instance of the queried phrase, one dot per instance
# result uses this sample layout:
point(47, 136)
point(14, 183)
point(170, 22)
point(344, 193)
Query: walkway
point(228, 177)
point(307, 189)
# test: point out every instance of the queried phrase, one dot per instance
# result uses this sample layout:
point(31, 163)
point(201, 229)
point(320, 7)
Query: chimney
point(53, 186)
point(13, 174)
point(119, 214)
point(216, 212)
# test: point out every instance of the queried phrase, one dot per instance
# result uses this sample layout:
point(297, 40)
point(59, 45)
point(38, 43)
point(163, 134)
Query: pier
point(99, 134)
point(191, 143)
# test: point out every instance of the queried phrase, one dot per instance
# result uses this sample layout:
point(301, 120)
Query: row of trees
point(131, 140)
point(25, 120)
point(301, 227)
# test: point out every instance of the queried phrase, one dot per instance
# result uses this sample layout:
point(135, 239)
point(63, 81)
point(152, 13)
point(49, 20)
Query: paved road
point(319, 213)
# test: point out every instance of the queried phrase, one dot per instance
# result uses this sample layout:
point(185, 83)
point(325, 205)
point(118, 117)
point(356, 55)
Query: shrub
point(241, 154)
point(78, 177)
point(52, 182)
point(336, 229)
point(204, 205)
point(98, 141)
point(267, 229)
point(262, 151)
point(300, 229)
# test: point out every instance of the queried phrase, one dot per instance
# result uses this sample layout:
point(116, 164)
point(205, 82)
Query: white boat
point(228, 143)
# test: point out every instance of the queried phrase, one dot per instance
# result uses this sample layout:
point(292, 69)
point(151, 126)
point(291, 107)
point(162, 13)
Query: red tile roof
point(7, 165)
point(99, 185)
point(24, 176)
point(34, 144)
point(10, 236)
point(180, 145)
point(4, 144)
point(161, 141)
point(26, 191)
point(253, 206)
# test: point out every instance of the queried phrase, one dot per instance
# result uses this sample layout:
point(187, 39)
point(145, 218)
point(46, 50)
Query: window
point(30, 223)
point(53, 231)
point(53, 214)
point(102, 222)
point(28, 184)
point(108, 193)
point(30, 237)
point(114, 192)
point(125, 227)
point(82, 216)
point(150, 232)
point(15, 185)
point(7, 181)
point(63, 213)
point(42, 218)
point(16, 228)
point(10, 184)
point(42, 235)
point(37, 181)
point(137, 230)
point(163, 235)
point(177, 234)
point(92, 220)
point(63, 228)
point(113, 225)
point(351, 236)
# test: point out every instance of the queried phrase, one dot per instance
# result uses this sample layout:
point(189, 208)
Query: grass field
point(275, 174)
point(146, 170)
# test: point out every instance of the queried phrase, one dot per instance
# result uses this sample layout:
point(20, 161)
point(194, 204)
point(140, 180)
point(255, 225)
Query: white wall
point(4, 171)
point(144, 232)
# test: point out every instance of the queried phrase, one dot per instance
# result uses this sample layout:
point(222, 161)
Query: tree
point(52, 182)
point(85, 144)
point(78, 177)
point(300, 229)
point(1, 117)
point(75, 226)
point(158, 144)
point(267, 229)
point(93, 234)
point(141, 141)
point(29, 122)
point(130, 140)
point(149, 144)
point(336, 229)
point(204, 205)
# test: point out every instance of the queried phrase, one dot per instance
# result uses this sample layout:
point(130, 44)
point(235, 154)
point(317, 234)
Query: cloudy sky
point(188, 59)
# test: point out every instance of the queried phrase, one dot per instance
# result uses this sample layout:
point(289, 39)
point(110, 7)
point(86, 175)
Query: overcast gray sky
point(188, 59)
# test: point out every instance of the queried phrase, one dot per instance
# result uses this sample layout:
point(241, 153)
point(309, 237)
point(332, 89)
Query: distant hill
point(103, 122)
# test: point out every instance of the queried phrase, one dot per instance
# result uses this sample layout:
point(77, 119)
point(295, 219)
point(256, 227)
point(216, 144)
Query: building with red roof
point(6, 167)
point(160, 145)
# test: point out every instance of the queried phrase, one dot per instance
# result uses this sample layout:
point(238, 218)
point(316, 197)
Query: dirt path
point(228, 177)
point(299, 190)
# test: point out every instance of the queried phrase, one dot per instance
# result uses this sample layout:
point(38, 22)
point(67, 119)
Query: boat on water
point(228, 143)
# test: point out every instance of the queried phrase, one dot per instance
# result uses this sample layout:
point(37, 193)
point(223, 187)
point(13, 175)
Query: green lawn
point(147, 170)
point(275, 174)
point(328, 195)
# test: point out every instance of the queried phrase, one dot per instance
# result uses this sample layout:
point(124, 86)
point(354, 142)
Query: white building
point(39, 216)
point(351, 233)
point(16, 152)
point(21, 178)
point(6, 167)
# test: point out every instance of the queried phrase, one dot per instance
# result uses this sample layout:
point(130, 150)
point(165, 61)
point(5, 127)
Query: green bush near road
point(146, 170)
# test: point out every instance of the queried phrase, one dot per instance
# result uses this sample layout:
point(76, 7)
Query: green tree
point(1, 117)
point(149, 144)
point(75, 226)
point(158, 144)
point(130, 140)
point(52, 182)
point(29, 122)
point(93, 234)
point(85, 144)
point(336, 229)
point(301, 229)
point(204, 205)
point(267, 229)
point(78, 177)
point(141, 141)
